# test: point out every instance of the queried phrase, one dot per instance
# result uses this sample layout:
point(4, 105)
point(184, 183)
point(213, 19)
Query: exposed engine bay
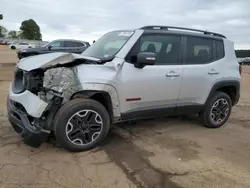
point(60, 80)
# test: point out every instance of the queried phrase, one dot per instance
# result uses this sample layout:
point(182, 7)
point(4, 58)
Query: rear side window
point(199, 50)
point(69, 44)
point(219, 46)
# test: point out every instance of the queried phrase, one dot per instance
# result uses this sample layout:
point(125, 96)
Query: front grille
point(18, 106)
point(19, 82)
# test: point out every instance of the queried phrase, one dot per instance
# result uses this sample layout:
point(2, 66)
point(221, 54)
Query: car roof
point(73, 40)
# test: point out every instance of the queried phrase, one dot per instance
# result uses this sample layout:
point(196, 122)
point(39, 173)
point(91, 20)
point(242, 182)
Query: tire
point(74, 125)
point(13, 47)
point(211, 112)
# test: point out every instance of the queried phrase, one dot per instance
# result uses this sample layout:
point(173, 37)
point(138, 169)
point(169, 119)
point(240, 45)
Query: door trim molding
point(161, 111)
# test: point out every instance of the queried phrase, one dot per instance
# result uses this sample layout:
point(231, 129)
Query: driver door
point(152, 90)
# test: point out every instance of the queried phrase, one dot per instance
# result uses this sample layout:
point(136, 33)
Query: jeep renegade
point(126, 75)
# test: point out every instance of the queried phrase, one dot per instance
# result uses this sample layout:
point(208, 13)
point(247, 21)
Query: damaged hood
point(50, 60)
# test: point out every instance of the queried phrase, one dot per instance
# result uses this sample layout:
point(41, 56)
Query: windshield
point(108, 45)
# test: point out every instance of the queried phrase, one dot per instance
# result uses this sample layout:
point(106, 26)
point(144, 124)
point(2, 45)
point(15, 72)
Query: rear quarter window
point(219, 52)
point(80, 44)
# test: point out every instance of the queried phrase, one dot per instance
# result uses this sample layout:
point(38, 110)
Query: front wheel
point(217, 110)
point(81, 124)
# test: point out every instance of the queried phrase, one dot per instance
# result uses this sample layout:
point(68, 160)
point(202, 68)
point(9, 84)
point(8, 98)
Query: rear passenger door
point(200, 70)
point(23, 46)
point(69, 46)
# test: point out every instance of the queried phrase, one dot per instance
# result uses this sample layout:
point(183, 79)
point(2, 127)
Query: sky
point(89, 20)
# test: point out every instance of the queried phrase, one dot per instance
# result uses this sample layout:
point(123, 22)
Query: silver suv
point(126, 75)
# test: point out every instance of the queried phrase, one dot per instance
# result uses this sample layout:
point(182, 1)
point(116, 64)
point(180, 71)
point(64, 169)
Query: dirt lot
point(171, 152)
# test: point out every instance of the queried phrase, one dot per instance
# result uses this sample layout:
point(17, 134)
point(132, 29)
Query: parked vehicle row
point(3, 42)
point(150, 72)
point(245, 62)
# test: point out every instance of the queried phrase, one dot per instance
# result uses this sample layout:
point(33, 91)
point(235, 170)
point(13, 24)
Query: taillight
point(240, 69)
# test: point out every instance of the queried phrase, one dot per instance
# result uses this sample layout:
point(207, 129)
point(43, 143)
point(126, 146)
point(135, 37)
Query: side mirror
point(145, 58)
point(49, 47)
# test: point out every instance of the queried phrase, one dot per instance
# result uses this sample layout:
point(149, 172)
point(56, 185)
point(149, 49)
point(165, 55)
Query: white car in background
point(20, 46)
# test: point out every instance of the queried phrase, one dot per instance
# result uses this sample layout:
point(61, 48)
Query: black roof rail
point(182, 28)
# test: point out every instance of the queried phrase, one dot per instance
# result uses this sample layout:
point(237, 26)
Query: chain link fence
point(36, 43)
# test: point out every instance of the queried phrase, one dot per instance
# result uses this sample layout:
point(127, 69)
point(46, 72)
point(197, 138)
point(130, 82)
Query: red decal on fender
point(133, 99)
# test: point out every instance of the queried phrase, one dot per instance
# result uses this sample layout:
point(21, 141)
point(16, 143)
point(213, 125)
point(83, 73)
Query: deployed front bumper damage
point(24, 120)
point(31, 115)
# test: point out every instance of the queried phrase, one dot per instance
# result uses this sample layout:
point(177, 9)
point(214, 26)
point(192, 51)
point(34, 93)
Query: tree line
point(242, 53)
point(29, 29)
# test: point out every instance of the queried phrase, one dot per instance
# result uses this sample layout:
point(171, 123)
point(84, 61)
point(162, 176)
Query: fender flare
point(99, 87)
point(224, 83)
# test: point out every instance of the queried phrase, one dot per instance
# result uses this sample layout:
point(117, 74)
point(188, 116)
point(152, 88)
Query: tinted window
point(199, 50)
point(166, 48)
point(68, 44)
point(219, 49)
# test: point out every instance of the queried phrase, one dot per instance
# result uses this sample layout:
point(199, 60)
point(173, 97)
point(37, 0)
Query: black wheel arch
point(101, 96)
point(231, 87)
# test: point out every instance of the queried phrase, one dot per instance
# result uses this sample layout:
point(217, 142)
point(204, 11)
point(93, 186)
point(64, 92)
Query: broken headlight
point(19, 83)
point(34, 81)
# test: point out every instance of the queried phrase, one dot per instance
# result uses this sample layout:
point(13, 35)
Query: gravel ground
point(170, 152)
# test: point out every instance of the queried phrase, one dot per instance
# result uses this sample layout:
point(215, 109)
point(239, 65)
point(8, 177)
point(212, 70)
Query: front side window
point(199, 50)
point(166, 47)
point(108, 45)
point(56, 44)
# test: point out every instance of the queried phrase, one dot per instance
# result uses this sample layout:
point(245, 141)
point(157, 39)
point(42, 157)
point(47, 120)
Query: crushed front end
point(41, 85)
point(35, 97)
point(26, 109)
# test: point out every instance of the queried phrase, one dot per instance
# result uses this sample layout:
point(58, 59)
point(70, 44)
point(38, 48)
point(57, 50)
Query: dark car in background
point(245, 62)
point(62, 45)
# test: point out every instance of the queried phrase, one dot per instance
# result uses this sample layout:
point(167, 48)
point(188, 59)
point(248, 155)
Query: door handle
point(172, 74)
point(213, 72)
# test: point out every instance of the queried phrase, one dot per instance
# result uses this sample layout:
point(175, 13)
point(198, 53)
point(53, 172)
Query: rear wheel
point(13, 47)
point(81, 124)
point(217, 110)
